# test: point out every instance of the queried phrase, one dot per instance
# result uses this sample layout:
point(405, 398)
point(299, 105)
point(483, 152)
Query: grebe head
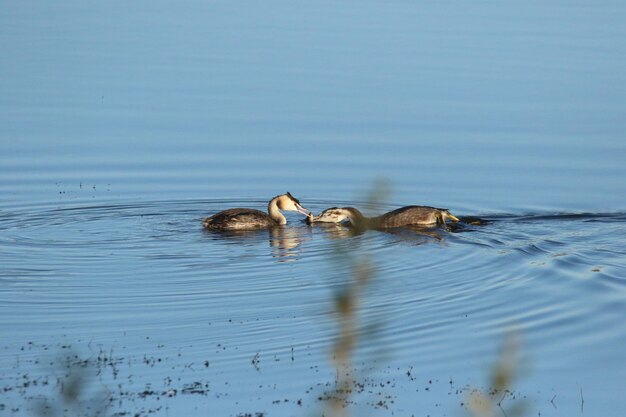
point(287, 202)
point(337, 215)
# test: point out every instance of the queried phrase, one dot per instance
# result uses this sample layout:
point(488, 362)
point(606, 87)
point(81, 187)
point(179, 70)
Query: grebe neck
point(274, 212)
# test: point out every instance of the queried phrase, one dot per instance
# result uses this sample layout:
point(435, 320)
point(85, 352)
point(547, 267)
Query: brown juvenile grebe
point(247, 219)
point(404, 216)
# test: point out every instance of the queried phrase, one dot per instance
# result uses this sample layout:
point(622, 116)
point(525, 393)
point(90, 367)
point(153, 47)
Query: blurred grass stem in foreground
point(347, 305)
point(505, 371)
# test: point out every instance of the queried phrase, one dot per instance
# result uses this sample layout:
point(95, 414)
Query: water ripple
point(149, 268)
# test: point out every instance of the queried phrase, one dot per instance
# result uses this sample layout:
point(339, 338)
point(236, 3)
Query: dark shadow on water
point(532, 217)
point(472, 220)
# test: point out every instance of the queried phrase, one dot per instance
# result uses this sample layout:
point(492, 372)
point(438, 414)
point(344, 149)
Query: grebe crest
point(287, 202)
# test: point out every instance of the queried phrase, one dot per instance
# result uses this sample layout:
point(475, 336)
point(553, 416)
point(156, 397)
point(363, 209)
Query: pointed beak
point(302, 210)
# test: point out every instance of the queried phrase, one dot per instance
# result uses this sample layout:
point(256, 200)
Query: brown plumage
point(404, 216)
point(249, 219)
point(414, 215)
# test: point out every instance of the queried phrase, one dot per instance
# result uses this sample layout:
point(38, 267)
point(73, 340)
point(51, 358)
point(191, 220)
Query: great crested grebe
point(247, 219)
point(404, 216)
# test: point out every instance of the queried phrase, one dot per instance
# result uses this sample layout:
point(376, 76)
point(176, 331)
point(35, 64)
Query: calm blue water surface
point(123, 124)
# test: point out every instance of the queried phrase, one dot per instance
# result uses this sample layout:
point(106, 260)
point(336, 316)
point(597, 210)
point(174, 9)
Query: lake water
point(123, 124)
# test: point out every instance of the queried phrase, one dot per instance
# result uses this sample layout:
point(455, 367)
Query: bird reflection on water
point(285, 242)
point(414, 235)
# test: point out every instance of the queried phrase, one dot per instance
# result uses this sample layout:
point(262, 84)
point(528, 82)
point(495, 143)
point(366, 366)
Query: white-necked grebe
point(404, 216)
point(248, 219)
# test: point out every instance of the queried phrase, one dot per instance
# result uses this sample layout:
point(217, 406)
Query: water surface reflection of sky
point(122, 124)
